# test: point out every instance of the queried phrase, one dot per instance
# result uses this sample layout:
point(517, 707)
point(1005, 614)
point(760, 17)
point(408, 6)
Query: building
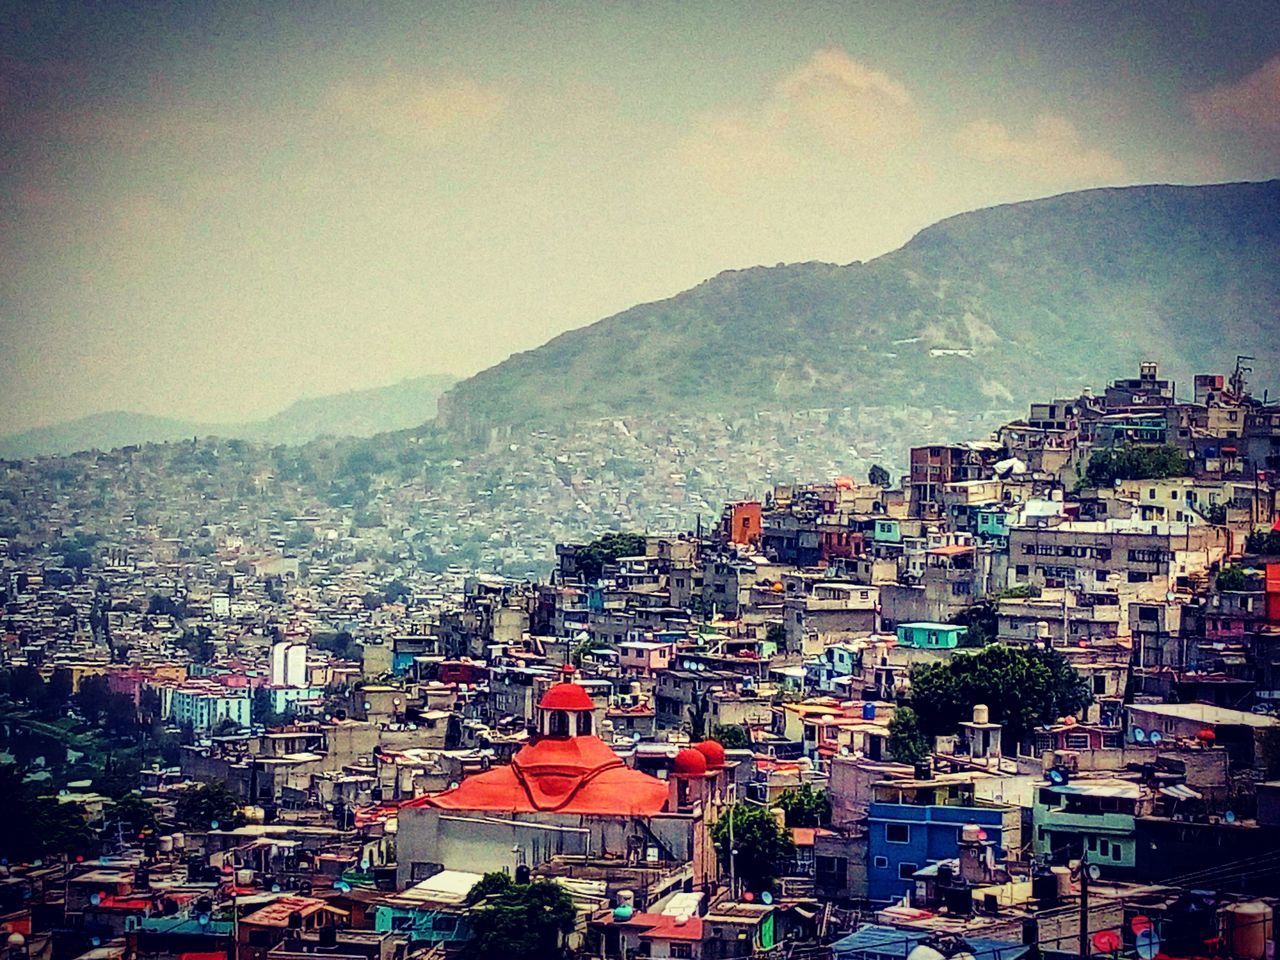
point(912, 823)
point(565, 793)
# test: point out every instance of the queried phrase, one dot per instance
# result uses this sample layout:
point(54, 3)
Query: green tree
point(33, 826)
point(120, 716)
point(1264, 542)
point(1023, 687)
point(776, 634)
point(607, 549)
point(879, 476)
point(732, 736)
point(1129, 462)
point(983, 622)
point(131, 813)
point(518, 921)
point(209, 803)
point(805, 806)
point(906, 742)
point(91, 698)
point(57, 693)
point(760, 845)
point(1232, 578)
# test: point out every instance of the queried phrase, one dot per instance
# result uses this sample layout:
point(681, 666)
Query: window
point(833, 867)
point(681, 951)
point(880, 862)
point(906, 870)
point(897, 833)
point(1021, 570)
point(1099, 683)
point(1077, 741)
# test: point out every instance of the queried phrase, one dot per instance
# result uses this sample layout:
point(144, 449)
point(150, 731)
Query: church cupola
point(565, 709)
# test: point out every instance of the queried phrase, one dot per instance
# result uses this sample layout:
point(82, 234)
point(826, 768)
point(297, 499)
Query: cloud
point(847, 102)
point(831, 108)
point(429, 110)
point(1052, 150)
point(1250, 105)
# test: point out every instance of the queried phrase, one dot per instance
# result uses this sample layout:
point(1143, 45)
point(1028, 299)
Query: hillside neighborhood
point(1021, 701)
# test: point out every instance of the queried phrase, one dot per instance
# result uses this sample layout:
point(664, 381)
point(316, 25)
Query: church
point(567, 793)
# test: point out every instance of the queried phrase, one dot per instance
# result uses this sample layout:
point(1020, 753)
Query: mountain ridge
point(972, 312)
point(357, 413)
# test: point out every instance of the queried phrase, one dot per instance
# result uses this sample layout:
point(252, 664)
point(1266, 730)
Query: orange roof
point(277, 914)
point(670, 929)
point(577, 775)
point(949, 551)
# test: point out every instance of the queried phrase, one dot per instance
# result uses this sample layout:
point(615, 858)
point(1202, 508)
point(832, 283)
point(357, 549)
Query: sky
point(209, 210)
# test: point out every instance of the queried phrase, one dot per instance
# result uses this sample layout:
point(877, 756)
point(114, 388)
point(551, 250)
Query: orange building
point(742, 522)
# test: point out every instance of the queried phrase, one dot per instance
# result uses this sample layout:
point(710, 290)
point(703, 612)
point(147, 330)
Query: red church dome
point(566, 696)
point(689, 763)
point(713, 751)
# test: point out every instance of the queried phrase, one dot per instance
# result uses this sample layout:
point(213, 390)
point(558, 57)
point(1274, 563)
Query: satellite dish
point(1229, 816)
point(1147, 944)
point(1155, 737)
point(766, 898)
point(1094, 871)
point(1056, 777)
point(1139, 735)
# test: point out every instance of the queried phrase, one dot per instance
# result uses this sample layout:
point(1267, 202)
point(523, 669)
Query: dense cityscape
point(357, 699)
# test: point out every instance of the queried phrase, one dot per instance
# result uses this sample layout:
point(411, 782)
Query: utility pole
point(1084, 904)
point(733, 854)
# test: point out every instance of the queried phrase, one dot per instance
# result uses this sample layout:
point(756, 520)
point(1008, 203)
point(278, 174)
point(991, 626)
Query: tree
point(32, 826)
point(805, 806)
point(396, 592)
point(91, 698)
point(1232, 578)
point(1023, 687)
point(607, 549)
point(1263, 542)
point(879, 476)
point(1130, 462)
point(132, 813)
point(760, 845)
point(210, 803)
point(57, 693)
point(120, 716)
point(518, 921)
point(226, 727)
point(906, 742)
point(732, 736)
point(77, 558)
point(776, 634)
point(983, 621)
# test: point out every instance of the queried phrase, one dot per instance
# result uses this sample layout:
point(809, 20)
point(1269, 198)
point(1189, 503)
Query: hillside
point(981, 311)
point(356, 413)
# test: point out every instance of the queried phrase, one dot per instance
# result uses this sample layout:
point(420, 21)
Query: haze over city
point(210, 210)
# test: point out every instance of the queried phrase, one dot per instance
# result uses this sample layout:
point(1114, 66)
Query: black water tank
point(1044, 889)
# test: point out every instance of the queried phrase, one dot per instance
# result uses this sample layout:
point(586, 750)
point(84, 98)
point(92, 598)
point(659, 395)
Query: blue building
point(931, 636)
point(912, 823)
point(877, 942)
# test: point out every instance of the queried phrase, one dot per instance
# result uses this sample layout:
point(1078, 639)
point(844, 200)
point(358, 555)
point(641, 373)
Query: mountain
point(978, 312)
point(358, 413)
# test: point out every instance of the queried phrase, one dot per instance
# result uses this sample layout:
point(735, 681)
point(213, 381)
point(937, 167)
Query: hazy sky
point(211, 209)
